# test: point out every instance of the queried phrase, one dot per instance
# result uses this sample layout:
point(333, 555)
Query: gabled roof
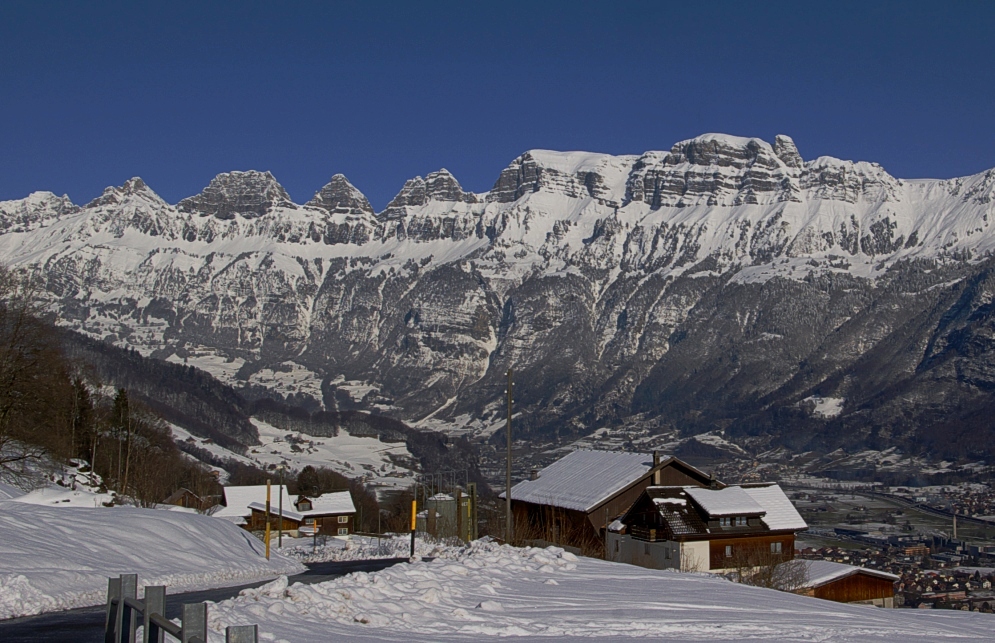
point(677, 514)
point(275, 511)
point(731, 501)
point(336, 502)
point(583, 479)
point(820, 572)
point(238, 499)
point(781, 513)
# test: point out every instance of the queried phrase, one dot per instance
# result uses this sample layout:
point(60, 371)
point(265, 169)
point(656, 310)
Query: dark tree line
point(56, 409)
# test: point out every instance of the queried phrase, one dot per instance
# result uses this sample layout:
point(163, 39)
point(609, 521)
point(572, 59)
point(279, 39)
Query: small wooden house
point(848, 584)
point(571, 502)
point(257, 518)
point(330, 514)
point(183, 497)
point(696, 529)
point(238, 498)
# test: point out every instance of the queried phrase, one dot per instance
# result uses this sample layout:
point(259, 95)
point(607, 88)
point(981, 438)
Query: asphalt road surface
point(86, 624)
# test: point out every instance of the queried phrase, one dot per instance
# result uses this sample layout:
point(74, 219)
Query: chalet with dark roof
point(571, 502)
point(691, 528)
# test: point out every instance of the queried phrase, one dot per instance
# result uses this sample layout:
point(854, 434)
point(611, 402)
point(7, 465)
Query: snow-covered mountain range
point(725, 283)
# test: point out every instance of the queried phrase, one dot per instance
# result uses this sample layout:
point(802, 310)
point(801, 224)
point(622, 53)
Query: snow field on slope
point(57, 558)
point(488, 591)
point(352, 456)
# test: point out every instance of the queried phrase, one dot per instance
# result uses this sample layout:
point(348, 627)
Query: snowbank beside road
point(59, 557)
point(491, 591)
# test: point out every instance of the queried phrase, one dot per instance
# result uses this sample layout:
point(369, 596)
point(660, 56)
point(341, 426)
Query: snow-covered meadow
point(489, 591)
point(57, 551)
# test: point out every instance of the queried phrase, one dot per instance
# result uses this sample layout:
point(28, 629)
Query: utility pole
point(279, 537)
point(508, 533)
point(267, 517)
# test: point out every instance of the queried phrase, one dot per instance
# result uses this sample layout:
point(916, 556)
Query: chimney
point(656, 463)
point(534, 474)
point(656, 458)
point(712, 482)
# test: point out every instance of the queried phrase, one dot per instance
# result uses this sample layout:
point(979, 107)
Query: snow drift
point(55, 558)
point(489, 591)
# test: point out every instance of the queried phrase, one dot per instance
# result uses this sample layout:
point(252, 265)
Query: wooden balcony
point(647, 534)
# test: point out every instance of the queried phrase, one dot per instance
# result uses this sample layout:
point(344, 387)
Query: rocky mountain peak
point(785, 149)
point(248, 194)
point(36, 208)
point(437, 186)
point(722, 150)
point(340, 196)
point(133, 187)
point(443, 186)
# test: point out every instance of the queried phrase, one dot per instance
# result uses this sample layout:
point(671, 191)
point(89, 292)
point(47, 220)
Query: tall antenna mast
point(507, 480)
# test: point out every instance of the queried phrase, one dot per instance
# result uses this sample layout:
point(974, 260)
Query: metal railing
point(125, 612)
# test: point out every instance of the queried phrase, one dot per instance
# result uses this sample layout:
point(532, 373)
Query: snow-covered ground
point(353, 456)
point(490, 591)
point(57, 551)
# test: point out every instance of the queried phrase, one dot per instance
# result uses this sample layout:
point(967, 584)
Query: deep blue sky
point(178, 92)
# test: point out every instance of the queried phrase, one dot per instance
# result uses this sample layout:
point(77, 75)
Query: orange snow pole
point(414, 516)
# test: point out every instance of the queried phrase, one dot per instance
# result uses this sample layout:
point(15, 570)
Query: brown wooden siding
point(257, 522)
point(330, 525)
point(856, 587)
point(717, 548)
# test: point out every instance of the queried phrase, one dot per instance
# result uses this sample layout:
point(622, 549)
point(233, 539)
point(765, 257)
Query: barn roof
point(337, 502)
point(238, 499)
point(274, 510)
point(820, 572)
point(583, 479)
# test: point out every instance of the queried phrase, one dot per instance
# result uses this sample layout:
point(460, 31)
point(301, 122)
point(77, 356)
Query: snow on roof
point(820, 572)
point(274, 510)
point(583, 479)
point(781, 514)
point(337, 502)
point(238, 499)
point(731, 501)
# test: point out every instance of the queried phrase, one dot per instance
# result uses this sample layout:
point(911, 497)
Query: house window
point(303, 505)
point(728, 551)
point(740, 521)
point(723, 522)
point(343, 531)
point(309, 521)
point(775, 548)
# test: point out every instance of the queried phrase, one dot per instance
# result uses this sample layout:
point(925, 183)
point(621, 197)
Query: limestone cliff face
point(724, 282)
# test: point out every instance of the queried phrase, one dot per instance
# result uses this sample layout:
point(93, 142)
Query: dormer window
point(732, 521)
point(304, 505)
point(740, 521)
point(725, 522)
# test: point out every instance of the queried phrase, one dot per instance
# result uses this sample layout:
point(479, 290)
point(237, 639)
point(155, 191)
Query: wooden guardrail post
point(155, 603)
point(124, 623)
point(194, 623)
point(113, 596)
point(242, 634)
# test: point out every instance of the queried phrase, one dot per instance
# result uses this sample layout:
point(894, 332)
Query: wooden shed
point(848, 584)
